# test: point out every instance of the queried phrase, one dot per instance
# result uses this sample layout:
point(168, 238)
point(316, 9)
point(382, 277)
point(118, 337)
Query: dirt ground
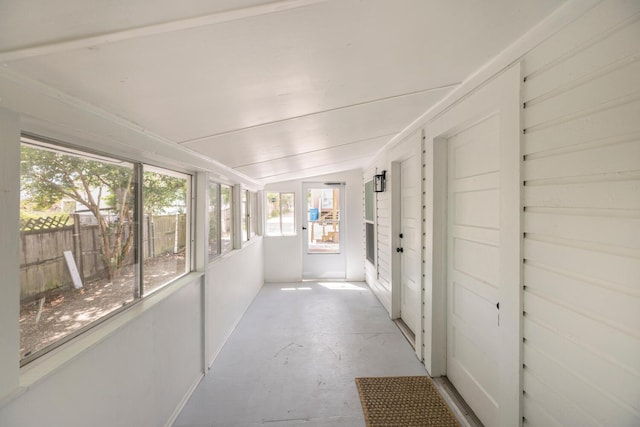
point(66, 310)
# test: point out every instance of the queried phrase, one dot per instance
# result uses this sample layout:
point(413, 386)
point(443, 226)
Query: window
point(244, 214)
point(214, 220)
point(369, 219)
point(165, 218)
point(253, 213)
point(226, 218)
point(280, 218)
point(83, 230)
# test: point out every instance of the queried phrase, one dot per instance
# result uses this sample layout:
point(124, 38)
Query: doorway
point(324, 255)
point(473, 266)
point(409, 243)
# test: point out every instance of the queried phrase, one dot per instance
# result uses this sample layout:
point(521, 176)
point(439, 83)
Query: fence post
point(77, 245)
point(175, 234)
point(152, 236)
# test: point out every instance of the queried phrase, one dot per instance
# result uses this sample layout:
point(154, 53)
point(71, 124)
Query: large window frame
point(137, 283)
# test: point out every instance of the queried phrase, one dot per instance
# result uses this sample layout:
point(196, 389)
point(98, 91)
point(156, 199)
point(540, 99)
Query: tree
point(163, 193)
point(48, 176)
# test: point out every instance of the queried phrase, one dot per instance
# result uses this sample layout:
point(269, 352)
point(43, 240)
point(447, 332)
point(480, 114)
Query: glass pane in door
point(323, 210)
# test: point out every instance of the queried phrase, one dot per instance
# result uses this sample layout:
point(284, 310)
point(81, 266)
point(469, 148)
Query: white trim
point(9, 258)
point(438, 329)
point(201, 258)
point(396, 263)
point(154, 29)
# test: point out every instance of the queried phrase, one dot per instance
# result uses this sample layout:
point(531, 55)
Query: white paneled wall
point(581, 172)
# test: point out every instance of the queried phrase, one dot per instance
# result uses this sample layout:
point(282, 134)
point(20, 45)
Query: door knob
point(304, 228)
point(399, 250)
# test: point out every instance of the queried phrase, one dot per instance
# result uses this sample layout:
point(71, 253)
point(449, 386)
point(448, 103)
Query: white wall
point(137, 375)
point(234, 280)
point(283, 255)
point(581, 200)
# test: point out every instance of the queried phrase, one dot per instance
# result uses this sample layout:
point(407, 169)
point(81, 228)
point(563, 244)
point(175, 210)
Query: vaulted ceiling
point(274, 89)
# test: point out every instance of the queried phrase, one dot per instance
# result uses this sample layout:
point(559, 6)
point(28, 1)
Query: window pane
point(77, 243)
point(253, 213)
point(214, 220)
point(287, 209)
point(370, 242)
point(226, 213)
point(272, 220)
point(165, 227)
point(244, 214)
point(323, 210)
point(368, 201)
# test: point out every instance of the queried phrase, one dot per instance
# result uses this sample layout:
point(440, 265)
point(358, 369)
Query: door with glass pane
point(323, 231)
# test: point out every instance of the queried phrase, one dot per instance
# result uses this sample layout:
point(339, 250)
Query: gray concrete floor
point(293, 358)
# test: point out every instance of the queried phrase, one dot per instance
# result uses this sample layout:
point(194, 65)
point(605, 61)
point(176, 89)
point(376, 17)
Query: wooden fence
point(43, 266)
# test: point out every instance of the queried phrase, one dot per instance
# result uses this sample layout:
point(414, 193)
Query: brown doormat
point(403, 402)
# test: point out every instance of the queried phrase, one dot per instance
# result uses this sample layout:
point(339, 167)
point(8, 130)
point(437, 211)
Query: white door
point(324, 255)
point(473, 270)
point(410, 295)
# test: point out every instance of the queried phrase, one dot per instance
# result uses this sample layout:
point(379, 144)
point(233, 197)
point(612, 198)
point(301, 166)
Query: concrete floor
point(293, 358)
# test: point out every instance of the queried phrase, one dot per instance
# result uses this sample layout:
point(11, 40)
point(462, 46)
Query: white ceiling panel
point(251, 81)
point(317, 131)
point(355, 153)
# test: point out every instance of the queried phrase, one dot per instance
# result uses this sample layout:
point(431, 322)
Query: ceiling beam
point(330, 110)
point(154, 29)
point(302, 153)
point(323, 169)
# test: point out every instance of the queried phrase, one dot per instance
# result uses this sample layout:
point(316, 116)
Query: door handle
point(304, 228)
point(399, 250)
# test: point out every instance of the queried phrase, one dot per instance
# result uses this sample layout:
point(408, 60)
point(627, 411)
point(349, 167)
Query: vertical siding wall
point(581, 149)
point(380, 277)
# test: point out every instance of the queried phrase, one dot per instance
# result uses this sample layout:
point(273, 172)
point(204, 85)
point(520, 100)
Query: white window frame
point(138, 206)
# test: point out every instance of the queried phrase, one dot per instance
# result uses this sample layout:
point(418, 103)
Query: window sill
point(43, 367)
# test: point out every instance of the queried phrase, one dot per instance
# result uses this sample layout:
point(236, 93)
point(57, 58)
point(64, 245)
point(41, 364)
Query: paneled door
point(473, 270)
point(323, 255)
point(410, 294)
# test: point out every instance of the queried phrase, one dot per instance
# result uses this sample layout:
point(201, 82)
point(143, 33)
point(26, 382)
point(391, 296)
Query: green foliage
point(47, 177)
point(164, 193)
